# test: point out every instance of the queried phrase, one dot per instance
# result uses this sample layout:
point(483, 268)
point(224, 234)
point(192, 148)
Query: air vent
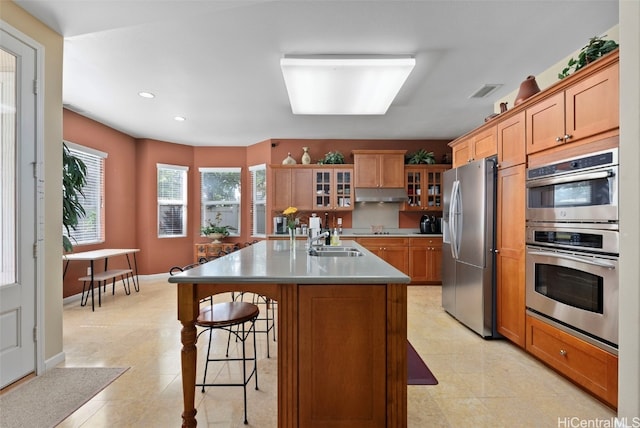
point(487, 89)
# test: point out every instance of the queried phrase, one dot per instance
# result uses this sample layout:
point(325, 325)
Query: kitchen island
point(342, 331)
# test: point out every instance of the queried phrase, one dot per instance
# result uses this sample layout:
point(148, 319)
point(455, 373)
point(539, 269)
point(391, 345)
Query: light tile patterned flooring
point(481, 383)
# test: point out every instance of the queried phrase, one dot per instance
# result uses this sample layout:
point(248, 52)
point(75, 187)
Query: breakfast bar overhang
point(342, 331)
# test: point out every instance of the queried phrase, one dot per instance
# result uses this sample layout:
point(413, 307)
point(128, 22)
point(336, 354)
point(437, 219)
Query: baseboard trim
point(53, 361)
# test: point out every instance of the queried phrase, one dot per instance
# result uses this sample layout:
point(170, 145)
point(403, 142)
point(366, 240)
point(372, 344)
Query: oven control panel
point(601, 241)
point(605, 158)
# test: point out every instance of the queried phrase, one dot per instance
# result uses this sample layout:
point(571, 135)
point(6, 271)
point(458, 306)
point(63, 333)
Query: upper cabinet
point(424, 187)
point(308, 187)
point(291, 187)
point(332, 187)
point(479, 145)
point(379, 168)
point(588, 107)
point(511, 141)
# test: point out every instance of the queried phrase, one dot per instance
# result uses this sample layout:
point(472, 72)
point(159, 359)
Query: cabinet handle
point(563, 352)
point(567, 137)
point(559, 139)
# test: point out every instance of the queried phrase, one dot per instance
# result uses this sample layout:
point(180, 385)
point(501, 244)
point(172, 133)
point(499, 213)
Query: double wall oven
point(572, 246)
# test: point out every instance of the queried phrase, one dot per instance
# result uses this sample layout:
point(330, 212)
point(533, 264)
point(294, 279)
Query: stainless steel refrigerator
point(468, 252)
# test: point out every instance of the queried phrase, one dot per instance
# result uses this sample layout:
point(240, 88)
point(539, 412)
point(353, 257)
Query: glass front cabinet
point(424, 187)
point(333, 188)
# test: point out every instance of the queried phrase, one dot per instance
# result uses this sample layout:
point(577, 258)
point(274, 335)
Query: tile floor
point(481, 383)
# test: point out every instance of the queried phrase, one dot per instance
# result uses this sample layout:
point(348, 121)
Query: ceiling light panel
point(341, 85)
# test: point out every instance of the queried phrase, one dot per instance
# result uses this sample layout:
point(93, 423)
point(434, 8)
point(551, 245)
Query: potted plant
point(596, 48)
point(421, 156)
point(332, 158)
point(74, 178)
point(216, 231)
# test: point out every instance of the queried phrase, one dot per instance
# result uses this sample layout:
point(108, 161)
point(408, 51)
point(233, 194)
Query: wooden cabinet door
point(391, 170)
point(418, 267)
point(484, 144)
point(342, 189)
point(342, 356)
point(397, 257)
point(587, 365)
point(545, 123)
point(434, 261)
point(414, 185)
point(510, 262)
point(301, 185)
point(394, 251)
point(592, 104)
point(281, 188)
point(379, 168)
point(462, 152)
point(511, 141)
point(425, 260)
point(367, 170)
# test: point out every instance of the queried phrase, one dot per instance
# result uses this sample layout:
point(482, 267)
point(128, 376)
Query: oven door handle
point(573, 258)
point(571, 178)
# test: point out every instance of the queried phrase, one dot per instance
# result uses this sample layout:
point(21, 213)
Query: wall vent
point(487, 89)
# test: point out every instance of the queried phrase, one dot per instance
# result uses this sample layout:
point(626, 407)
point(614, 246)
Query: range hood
point(374, 194)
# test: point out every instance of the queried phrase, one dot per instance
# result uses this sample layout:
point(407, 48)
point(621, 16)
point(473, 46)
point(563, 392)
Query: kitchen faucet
point(310, 240)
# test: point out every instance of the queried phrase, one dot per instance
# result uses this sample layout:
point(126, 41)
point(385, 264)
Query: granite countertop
point(276, 262)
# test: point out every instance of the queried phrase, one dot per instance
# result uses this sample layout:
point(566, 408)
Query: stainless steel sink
point(334, 252)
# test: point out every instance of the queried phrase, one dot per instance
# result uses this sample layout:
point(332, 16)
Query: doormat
point(418, 372)
point(47, 400)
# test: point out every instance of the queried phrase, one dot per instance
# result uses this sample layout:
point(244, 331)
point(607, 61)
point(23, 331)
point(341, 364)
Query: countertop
point(354, 235)
point(274, 261)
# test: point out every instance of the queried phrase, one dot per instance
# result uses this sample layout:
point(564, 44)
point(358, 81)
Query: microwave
point(575, 190)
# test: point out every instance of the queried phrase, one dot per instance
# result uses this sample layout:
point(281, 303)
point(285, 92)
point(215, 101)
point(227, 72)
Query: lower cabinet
point(342, 356)
point(510, 258)
point(425, 260)
point(587, 365)
point(392, 250)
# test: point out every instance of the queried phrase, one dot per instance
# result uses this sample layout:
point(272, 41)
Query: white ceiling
point(217, 62)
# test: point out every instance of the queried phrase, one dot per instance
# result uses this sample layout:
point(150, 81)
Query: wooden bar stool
point(231, 317)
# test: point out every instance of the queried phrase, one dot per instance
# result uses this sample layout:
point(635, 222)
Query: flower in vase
point(291, 214)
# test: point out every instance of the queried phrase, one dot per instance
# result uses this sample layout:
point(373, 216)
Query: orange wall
point(130, 187)
point(120, 191)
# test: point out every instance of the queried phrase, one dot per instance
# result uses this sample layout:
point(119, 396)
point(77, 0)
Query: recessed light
point(146, 95)
point(180, 118)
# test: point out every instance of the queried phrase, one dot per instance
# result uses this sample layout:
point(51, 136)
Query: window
point(172, 201)
point(220, 194)
point(90, 229)
point(258, 200)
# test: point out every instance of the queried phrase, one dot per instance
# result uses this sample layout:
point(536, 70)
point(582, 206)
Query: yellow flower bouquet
point(291, 214)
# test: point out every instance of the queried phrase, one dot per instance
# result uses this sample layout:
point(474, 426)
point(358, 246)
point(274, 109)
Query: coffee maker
point(430, 224)
point(425, 224)
point(279, 225)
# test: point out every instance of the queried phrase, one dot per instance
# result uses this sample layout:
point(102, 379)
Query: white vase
point(289, 160)
point(306, 159)
point(216, 237)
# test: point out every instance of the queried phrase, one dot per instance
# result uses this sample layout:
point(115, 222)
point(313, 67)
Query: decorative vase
point(289, 160)
point(216, 237)
point(306, 159)
point(528, 88)
point(292, 237)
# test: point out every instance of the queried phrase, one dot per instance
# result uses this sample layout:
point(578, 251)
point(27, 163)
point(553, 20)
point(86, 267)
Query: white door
point(18, 209)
